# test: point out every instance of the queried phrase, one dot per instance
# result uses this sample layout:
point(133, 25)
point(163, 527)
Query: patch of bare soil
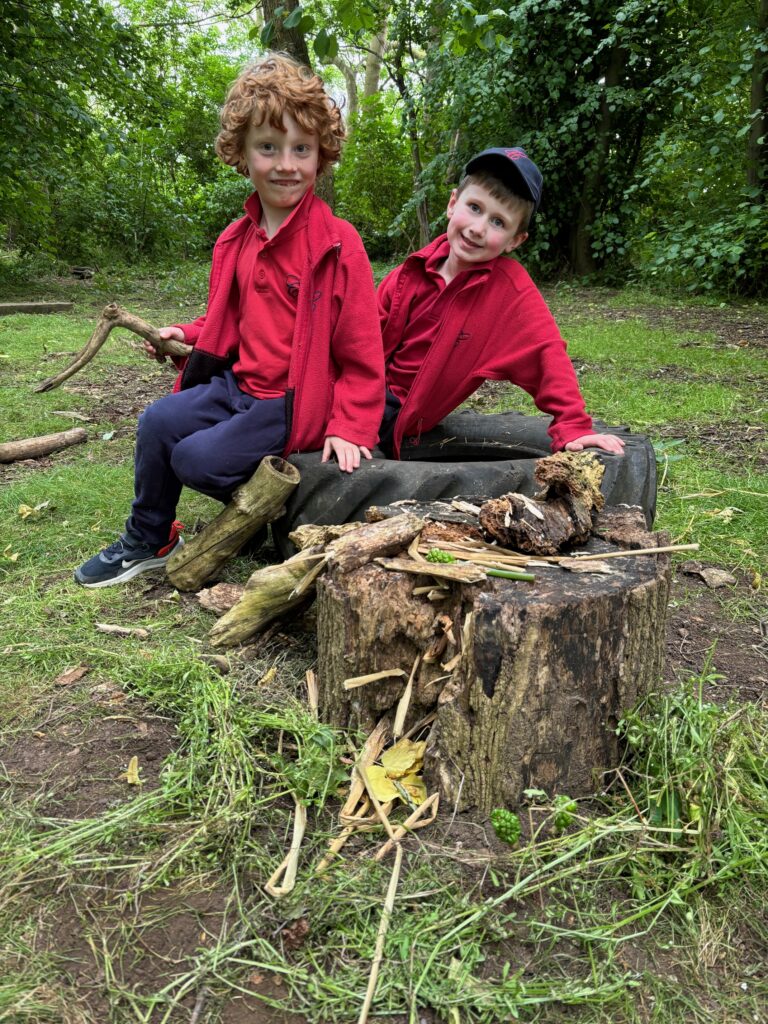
point(699, 629)
point(125, 392)
point(76, 762)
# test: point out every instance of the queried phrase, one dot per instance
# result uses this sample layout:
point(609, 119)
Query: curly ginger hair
point(266, 91)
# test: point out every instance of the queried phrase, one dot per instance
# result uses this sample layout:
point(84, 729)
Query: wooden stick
point(267, 595)
point(290, 863)
point(358, 547)
point(430, 804)
point(115, 316)
point(388, 673)
point(378, 954)
point(372, 747)
point(427, 720)
point(312, 692)
point(405, 700)
point(631, 552)
point(309, 580)
point(333, 850)
point(35, 447)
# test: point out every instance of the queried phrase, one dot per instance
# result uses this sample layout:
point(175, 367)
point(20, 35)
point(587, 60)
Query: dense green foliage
point(647, 117)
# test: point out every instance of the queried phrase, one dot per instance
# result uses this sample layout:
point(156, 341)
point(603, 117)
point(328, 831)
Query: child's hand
point(608, 442)
point(347, 454)
point(175, 333)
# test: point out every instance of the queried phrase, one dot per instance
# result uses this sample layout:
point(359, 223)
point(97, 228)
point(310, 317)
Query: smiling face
point(480, 227)
point(282, 166)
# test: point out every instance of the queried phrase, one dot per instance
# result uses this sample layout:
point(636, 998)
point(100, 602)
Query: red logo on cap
point(515, 154)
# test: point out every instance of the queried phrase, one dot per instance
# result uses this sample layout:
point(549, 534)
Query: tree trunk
point(757, 162)
point(375, 58)
point(350, 81)
point(412, 127)
point(35, 447)
point(528, 681)
point(287, 40)
point(582, 257)
point(256, 502)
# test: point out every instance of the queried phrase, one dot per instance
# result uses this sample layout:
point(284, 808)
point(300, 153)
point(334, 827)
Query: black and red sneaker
point(126, 558)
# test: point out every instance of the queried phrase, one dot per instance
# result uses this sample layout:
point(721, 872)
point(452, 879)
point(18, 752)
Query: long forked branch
point(113, 316)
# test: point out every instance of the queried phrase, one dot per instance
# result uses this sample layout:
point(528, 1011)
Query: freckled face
point(282, 165)
point(480, 227)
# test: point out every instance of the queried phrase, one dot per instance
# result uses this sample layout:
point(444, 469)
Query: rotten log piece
point(258, 501)
point(35, 447)
point(561, 513)
point(537, 680)
point(113, 316)
point(268, 594)
point(372, 540)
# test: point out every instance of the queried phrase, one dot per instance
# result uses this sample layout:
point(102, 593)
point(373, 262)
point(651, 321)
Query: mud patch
point(698, 631)
point(76, 764)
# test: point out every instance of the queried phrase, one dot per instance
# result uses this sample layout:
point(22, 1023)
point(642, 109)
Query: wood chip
point(137, 631)
point(579, 565)
point(403, 704)
point(372, 677)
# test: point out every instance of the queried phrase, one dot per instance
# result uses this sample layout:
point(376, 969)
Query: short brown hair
point(499, 191)
point(265, 92)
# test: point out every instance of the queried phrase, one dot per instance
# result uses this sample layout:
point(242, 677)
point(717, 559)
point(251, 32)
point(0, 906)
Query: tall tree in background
point(59, 75)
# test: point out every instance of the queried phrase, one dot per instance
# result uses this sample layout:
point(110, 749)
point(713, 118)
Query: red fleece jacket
point(336, 374)
point(496, 326)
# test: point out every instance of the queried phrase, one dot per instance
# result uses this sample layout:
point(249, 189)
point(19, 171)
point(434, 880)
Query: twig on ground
point(430, 804)
point(378, 954)
point(290, 864)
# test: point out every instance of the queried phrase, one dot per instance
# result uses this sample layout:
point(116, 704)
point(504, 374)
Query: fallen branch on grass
point(113, 316)
point(35, 447)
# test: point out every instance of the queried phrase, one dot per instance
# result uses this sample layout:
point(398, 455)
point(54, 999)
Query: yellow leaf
point(415, 786)
point(10, 554)
point(131, 776)
point(382, 787)
point(25, 511)
point(268, 676)
point(403, 757)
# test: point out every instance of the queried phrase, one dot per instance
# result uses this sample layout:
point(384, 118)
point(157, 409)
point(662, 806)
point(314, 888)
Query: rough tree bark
point(287, 40)
point(527, 680)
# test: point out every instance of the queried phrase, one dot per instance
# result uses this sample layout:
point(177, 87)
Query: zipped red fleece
point(336, 373)
point(495, 327)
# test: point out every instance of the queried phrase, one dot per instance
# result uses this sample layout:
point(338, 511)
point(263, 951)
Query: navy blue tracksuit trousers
point(210, 438)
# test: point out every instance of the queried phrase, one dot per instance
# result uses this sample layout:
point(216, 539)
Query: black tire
point(468, 454)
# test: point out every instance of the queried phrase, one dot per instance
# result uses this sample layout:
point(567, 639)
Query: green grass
point(645, 907)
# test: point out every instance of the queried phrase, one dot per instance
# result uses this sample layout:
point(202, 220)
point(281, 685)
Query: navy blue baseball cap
point(514, 168)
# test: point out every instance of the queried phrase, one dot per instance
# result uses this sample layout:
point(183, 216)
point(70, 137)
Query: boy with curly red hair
point(288, 355)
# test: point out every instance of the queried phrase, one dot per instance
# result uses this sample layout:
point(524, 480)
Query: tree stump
point(527, 680)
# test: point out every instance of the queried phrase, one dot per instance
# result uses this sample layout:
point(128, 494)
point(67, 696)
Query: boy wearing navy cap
point(456, 314)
